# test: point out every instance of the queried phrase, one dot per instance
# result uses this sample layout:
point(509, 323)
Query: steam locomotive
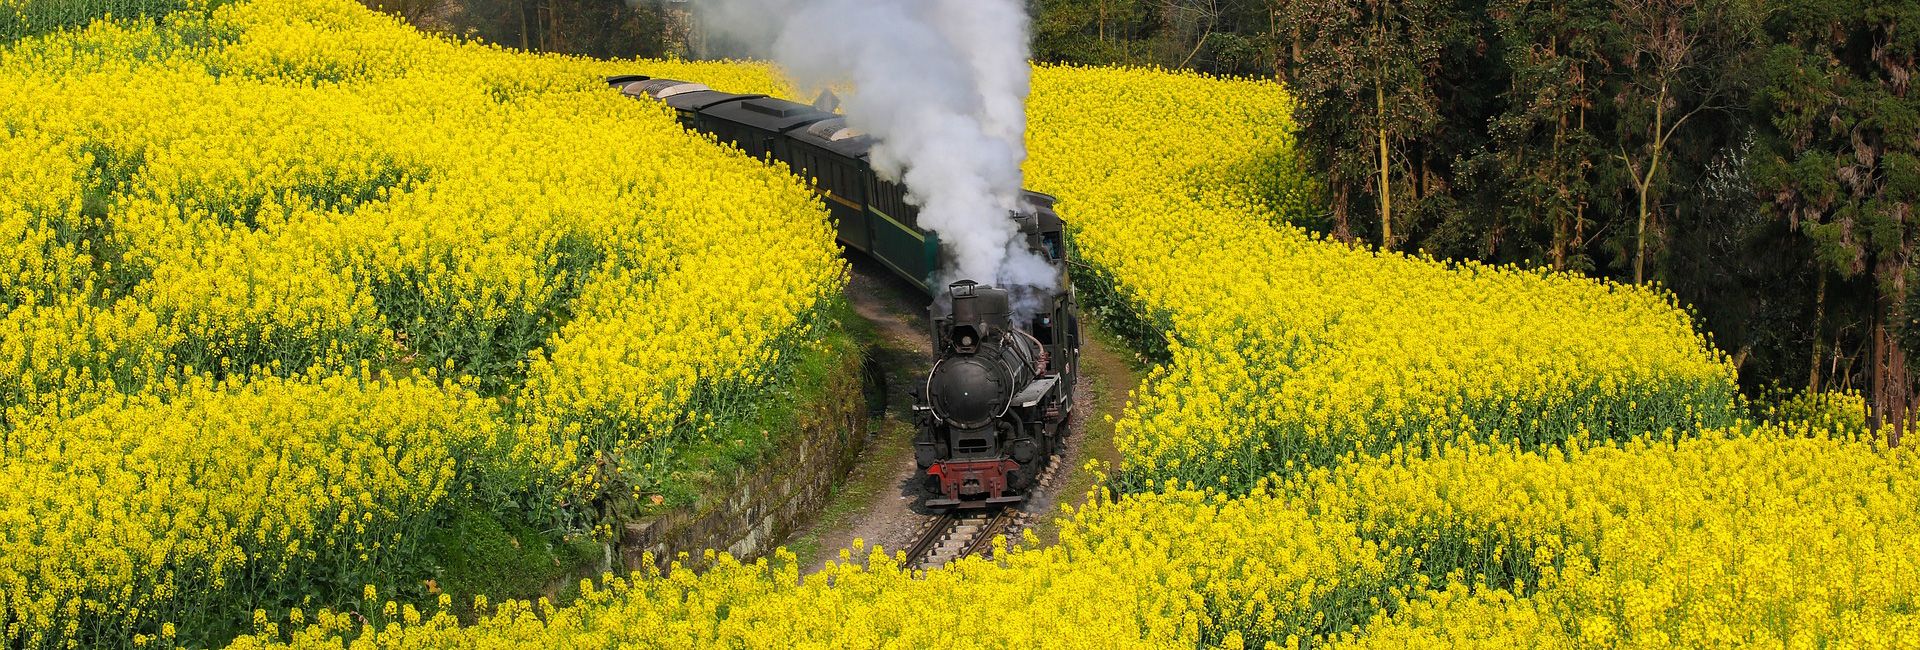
point(997, 402)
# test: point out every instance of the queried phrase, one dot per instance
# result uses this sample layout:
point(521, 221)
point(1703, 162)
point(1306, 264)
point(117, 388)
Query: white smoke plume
point(941, 85)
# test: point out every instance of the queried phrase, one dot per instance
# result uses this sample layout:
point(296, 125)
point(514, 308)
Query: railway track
point(950, 536)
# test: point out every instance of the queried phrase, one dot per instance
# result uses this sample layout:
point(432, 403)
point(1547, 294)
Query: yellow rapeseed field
point(257, 335)
point(1287, 351)
point(1735, 538)
point(1462, 491)
point(1161, 570)
point(287, 280)
point(145, 510)
point(1729, 537)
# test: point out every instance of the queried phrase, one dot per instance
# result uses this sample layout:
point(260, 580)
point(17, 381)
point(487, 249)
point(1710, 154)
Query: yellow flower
point(247, 328)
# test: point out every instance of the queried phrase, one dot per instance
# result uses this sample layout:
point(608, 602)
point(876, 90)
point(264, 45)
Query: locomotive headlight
point(965, 338)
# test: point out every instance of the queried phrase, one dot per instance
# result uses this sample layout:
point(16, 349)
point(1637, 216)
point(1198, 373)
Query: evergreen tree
point(1841, 128)
point(1542, 144)
point(1365, 91)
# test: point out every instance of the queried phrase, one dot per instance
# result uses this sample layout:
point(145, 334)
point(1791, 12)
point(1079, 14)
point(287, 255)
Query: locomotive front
point(990, 411)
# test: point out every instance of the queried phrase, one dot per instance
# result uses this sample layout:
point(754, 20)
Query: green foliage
point(1838, 158)
point(683, 471)
point(1364, 83)
point(22, 18)
point(599, 28)
point(481, 553)
point(1539, 148)
point(1742, 154)
point(1220, 36)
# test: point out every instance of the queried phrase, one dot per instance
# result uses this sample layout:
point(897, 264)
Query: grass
point(482, 553)
point(892, 439)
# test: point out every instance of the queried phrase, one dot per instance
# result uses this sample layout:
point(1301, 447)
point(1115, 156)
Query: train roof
point(702, 100)
point(683, 95)
point(768, 113)
point(644, 86)
point(834, 135)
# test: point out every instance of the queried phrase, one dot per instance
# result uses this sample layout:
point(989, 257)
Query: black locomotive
point(997, 401)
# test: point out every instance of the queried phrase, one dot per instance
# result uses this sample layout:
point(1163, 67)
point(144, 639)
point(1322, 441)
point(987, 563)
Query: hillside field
point(291, 287)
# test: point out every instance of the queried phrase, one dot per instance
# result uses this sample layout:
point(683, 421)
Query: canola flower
point(288, 280)
point(1156, 571)
point(143, 511)
point(1751, 535)
point(1457, 446)
point(1739, 537)
point(22, 18)
point(40, 189)
point(1286, 351)
point(1433, 501)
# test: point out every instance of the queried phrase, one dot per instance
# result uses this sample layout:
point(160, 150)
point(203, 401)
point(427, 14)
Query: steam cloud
point(941, 85)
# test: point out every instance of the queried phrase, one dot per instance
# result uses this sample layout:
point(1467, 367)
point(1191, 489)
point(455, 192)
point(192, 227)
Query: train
point(997, 402)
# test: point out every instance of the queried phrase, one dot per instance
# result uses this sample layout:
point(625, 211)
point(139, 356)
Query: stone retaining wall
point(757, 509)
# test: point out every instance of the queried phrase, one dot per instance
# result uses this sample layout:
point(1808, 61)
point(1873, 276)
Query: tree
point(600, 28)
point(1842, 164)
point(1373, 53)
point(1542, 143)
point(1086, 31)
point(423, 13)
point(1679, 59)
point(1222, 36)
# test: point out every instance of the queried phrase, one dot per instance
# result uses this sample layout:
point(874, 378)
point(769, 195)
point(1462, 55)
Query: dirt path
point(878, 501)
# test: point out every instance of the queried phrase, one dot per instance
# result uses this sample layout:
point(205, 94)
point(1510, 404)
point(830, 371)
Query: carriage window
point(1042, 328)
